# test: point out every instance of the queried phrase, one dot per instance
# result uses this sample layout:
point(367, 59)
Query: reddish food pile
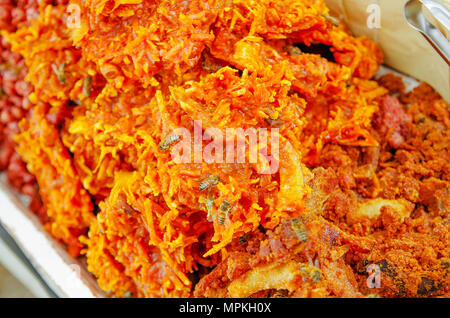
point(14, 102)
point(361, 193)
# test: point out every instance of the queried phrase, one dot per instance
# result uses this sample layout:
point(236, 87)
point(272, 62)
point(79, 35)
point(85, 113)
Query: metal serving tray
point(34, 257)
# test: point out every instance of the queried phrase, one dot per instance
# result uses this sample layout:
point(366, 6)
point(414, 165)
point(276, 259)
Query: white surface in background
point(65, 275)
point(10, 287)
point(15, 265)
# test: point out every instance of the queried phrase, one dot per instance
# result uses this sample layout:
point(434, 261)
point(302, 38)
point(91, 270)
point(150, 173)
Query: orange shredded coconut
point(67, 203)
point(109, 91)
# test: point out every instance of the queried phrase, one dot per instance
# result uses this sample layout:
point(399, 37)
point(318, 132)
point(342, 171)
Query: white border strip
point(67, 276)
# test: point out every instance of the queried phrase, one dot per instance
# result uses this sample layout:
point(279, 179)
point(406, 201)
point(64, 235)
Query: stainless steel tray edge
point(66, 276)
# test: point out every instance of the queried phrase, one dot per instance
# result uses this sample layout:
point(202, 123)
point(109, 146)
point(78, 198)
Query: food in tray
point(122, 120)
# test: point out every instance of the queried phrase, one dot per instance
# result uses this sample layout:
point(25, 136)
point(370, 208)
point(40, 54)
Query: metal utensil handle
point(414, 15)
point(438, 15)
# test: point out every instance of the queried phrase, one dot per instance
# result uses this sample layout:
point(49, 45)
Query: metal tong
point(432, 19)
